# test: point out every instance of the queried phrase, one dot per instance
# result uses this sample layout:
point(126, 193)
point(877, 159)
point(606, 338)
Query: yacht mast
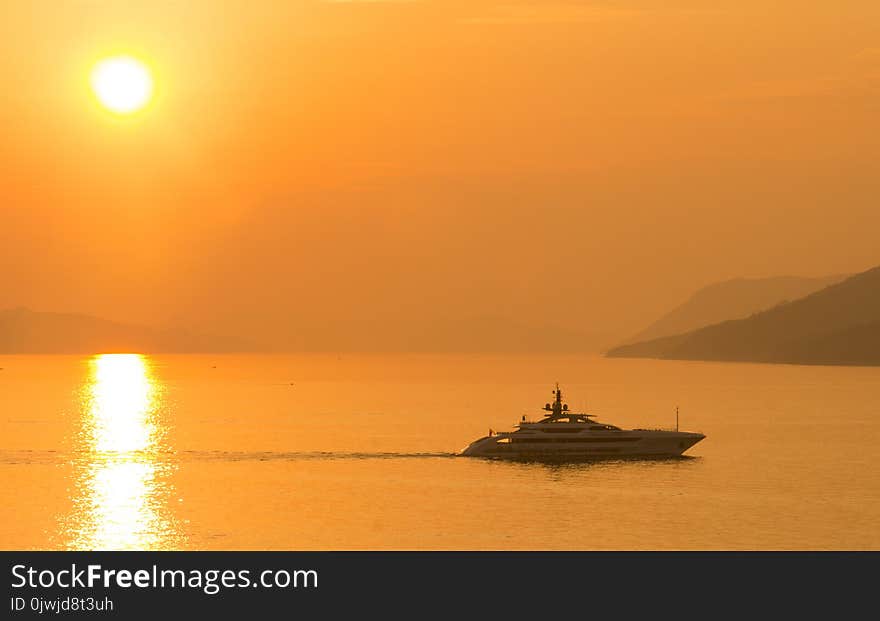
point(557, 403)
point(557, 408)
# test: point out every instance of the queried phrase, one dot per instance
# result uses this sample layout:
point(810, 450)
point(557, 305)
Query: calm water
point(356, 452)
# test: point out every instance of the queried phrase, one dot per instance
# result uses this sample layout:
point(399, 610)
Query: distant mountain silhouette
point(23, 331)
point(479, 334)
point(731, 299)
point(839, 324)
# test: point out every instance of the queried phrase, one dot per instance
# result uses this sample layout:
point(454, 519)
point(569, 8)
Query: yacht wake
point(305, 455)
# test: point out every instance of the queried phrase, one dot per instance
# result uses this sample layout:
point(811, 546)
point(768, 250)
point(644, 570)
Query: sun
point(122, 84)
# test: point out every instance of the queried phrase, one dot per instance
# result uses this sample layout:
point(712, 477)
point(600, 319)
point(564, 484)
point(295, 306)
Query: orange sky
point(581, 164)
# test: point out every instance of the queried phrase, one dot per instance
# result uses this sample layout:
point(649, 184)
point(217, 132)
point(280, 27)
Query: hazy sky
point(581, 164)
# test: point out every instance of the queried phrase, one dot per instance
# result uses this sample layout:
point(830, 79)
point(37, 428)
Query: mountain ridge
point(734, 298)
point(839, 325)
point(25, 331)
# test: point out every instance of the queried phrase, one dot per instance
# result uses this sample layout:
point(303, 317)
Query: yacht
point(565, 435)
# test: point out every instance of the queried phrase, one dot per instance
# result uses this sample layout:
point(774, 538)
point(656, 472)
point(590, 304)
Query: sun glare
point(122, 84)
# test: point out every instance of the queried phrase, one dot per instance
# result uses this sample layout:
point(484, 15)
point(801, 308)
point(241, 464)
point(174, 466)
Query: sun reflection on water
point(123, 401)
point(122, 487)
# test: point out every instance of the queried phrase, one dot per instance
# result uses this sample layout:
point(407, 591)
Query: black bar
point(459, 584)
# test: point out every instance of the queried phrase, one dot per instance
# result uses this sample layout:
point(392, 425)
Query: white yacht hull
point(599, 445)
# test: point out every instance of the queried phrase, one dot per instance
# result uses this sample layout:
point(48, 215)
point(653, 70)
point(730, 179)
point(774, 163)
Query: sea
point(360, 452)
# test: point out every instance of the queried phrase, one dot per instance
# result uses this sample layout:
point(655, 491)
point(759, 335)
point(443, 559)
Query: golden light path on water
point(121, 494)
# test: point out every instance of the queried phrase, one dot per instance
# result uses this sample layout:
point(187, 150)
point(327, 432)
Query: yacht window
point(579, 440)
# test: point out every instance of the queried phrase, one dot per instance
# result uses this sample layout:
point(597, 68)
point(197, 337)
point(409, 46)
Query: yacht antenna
point(676, 418)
